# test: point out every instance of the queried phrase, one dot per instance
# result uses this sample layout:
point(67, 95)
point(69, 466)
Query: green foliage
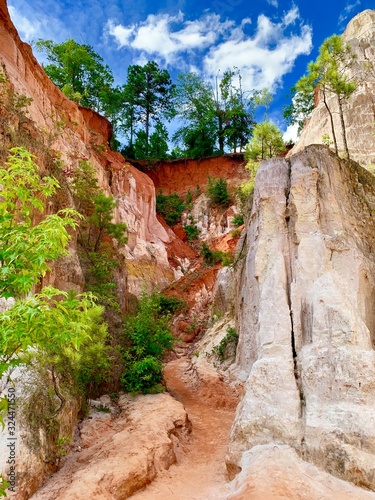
point(3, 486)
point(217, 190)
point(27, 248)
point(213, 119)
point(96, 231)
point(227, 345)
point(234, 112)
point(192, 232)
point(53, 329)
point(196, 109)
point(80, 73)
point(211, 257)
point(147, 96)
point(146, 338)
point(238, 220)
point(302, 105)
point(266, 142)
point(170, 207)
point(100, 222)
point(157, 145)
point(330, 72)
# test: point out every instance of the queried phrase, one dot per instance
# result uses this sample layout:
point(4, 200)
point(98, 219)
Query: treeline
point(212, 118)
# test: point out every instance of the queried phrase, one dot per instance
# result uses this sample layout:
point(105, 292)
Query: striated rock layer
point(359, 108)
point(306, 315)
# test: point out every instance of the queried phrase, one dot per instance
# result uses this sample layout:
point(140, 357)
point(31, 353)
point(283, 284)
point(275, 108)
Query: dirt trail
point(200, 473)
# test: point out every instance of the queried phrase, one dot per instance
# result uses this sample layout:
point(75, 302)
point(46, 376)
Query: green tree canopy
point(148, 100)
point(266, 142)
point(81, 74)
point(196, 109)
point(213, 120)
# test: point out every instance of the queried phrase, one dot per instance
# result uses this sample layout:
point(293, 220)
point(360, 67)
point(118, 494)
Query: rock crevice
point(306, 321)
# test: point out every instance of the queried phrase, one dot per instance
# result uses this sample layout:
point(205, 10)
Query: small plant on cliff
point(211, 257)
point(238, 220)
point(217, 190)
point(146, 339)
point(170, 207)
point(192, 232)
point(227, 346)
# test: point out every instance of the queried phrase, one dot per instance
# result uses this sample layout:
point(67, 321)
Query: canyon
point(291, 413)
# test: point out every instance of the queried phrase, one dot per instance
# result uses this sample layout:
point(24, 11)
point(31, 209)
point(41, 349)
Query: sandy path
point(200, 473)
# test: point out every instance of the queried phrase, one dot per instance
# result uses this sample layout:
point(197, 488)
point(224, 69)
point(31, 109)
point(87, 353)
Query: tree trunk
point(346, 149)
point(331, 120)
point(221, 133)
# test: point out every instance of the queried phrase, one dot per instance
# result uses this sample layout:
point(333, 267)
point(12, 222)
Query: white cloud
point(169, 36)
point(211, 45)
point(26, 29)
point(291, 133)
point(274, 3)
point(32, 22)
point(347, 10)
point(265, 57)
point(120, 33)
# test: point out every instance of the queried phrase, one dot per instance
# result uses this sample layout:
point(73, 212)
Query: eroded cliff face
point(77, 134)
point(359, 109)
point(183, 175)
point(306, 315)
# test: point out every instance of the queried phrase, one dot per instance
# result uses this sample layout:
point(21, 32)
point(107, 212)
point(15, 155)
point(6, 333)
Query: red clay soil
point(200, 474)
point(180, 176)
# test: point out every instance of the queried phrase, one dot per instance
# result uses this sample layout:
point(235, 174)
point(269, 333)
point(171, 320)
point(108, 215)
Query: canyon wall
point(183, 175)
point(359, 109)
point(77, 134)
point(306, 315)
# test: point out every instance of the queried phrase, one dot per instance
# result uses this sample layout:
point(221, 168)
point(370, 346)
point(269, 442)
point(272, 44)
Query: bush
point(217, 190)
point(211, 257)
point(237, 220)
point(146, 339)
point(192, 232)
point(170, 207)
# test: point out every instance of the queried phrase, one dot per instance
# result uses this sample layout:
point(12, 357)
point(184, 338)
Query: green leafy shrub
point(238, 220)
point(227, 345)
point(211, 257)
point(170, 207)
point(146, 339)
point(169, 305)
point(192, 232)
point(60, 333)
point(217, 190)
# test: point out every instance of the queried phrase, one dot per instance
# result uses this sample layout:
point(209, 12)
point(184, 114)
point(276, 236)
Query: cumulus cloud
point(274, 3)
point(168, 36)
point(210, 44)
point(265, 57)
point(347, 10)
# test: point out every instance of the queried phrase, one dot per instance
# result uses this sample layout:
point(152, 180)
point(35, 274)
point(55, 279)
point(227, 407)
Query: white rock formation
point(306, 315)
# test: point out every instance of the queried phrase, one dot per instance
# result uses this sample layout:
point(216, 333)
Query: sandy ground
point(200, 474)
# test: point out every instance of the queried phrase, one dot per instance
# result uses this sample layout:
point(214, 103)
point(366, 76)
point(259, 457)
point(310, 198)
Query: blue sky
point(270, 41)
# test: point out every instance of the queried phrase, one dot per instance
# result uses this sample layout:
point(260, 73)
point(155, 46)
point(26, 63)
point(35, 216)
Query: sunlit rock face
point(306, 315)
point(359, 108)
